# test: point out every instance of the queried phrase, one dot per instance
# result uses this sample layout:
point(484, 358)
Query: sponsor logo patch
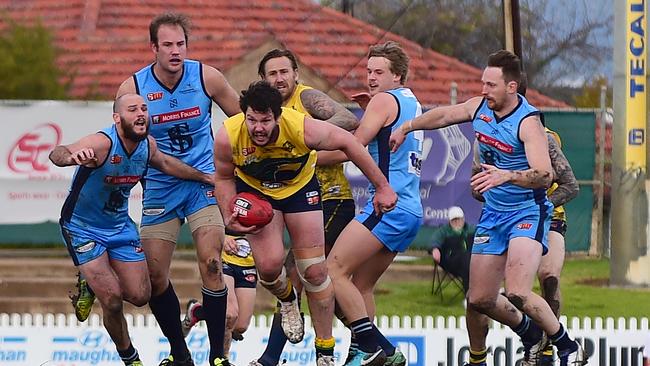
point(250, 278)
point(116, 159)
point(176, 115)
point(153, 211)
point(482, 239)
point(415, 163)
point(248, 150)
point(87, 247)
point(488, 140)
point(524, 226)
point(485, 118)
point(154, 96)
point(313, 198)
point(126, 179)
point(271, 185)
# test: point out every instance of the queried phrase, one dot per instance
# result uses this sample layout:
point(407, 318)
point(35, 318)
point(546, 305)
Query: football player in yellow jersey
point(240, 277)
point(564, 188)
point(270, 150)
point(280, 69)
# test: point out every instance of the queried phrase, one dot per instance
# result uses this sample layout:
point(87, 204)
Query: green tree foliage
point(590, 96)
point(28, 67)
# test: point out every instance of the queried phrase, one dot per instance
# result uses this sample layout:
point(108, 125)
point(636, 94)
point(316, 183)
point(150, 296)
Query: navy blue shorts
point(306, 199)
point(245, 276)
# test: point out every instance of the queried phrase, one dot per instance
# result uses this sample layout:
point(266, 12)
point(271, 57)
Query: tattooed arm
point(476, 168)
point(321, 106)
point(567, 188)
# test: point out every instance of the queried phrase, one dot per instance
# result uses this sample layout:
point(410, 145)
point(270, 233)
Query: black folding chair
point(441, 280)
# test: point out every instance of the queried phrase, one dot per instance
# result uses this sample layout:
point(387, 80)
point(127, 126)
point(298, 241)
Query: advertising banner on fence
point(89, 345)
point(33, 189)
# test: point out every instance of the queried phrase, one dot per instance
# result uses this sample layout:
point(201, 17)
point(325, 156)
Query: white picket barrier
point(59, 340)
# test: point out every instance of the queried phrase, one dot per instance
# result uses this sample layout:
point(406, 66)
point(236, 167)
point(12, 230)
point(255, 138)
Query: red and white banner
point(32, 189)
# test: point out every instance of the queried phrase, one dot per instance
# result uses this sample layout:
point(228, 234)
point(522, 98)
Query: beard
point(129, 132)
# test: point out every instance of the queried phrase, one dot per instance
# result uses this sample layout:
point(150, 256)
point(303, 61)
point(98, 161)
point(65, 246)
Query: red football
point(252, 209)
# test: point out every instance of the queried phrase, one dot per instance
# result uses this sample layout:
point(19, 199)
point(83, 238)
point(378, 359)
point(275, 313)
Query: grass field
point(584, 285)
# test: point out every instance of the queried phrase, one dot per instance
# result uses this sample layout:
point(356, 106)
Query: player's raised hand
point(489, 177)
point(84, 157)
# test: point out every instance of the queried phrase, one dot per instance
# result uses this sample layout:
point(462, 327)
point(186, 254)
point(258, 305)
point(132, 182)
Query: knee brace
point(302, 264)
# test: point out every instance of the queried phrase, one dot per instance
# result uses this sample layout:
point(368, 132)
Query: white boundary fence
point(59, 340)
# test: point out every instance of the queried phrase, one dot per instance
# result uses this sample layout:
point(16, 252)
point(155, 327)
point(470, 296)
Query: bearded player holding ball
point(270, 151)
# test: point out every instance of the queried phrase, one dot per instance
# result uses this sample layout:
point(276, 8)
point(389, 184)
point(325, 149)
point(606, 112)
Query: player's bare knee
point(481, 305)
point(139, 300)
point(517, 298)
point(213, 266)
point(112, 303)
point(334, 269)
point(550, 284)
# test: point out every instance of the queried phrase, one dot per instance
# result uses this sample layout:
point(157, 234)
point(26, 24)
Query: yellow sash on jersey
point(333, 183)
point(280, 168)
point(558, 212)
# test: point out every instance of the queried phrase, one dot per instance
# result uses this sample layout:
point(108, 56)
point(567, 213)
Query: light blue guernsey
point(499, 145)
point(401, 168)
point(99, 197)
point(180, 120)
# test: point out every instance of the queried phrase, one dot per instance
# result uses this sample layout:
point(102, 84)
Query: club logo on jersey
point(116, 159)
point(173, 103)
point(189, 88)
point(313, 198)
point(524, 226)
point(176, 115)
point(288, 146)
point(485, 118)
point(415, 163)
point(248, 150)
point(488, 140)
point(154, 96)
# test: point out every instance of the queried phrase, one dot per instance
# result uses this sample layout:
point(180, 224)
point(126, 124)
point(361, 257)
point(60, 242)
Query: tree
point(562, 39)
point(28, 68)
point(590, 93)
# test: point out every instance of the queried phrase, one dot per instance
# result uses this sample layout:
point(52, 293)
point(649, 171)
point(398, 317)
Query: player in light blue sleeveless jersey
point(100, 236)
point(180, 93)
point(511, 235)
point(368, 244)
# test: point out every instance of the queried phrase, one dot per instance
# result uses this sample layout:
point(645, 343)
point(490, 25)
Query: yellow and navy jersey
point(333, 183)
point(558, 212)
point(278, 169)
point(244, 256)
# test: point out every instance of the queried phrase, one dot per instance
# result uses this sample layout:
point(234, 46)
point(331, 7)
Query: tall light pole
point(630, 257)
